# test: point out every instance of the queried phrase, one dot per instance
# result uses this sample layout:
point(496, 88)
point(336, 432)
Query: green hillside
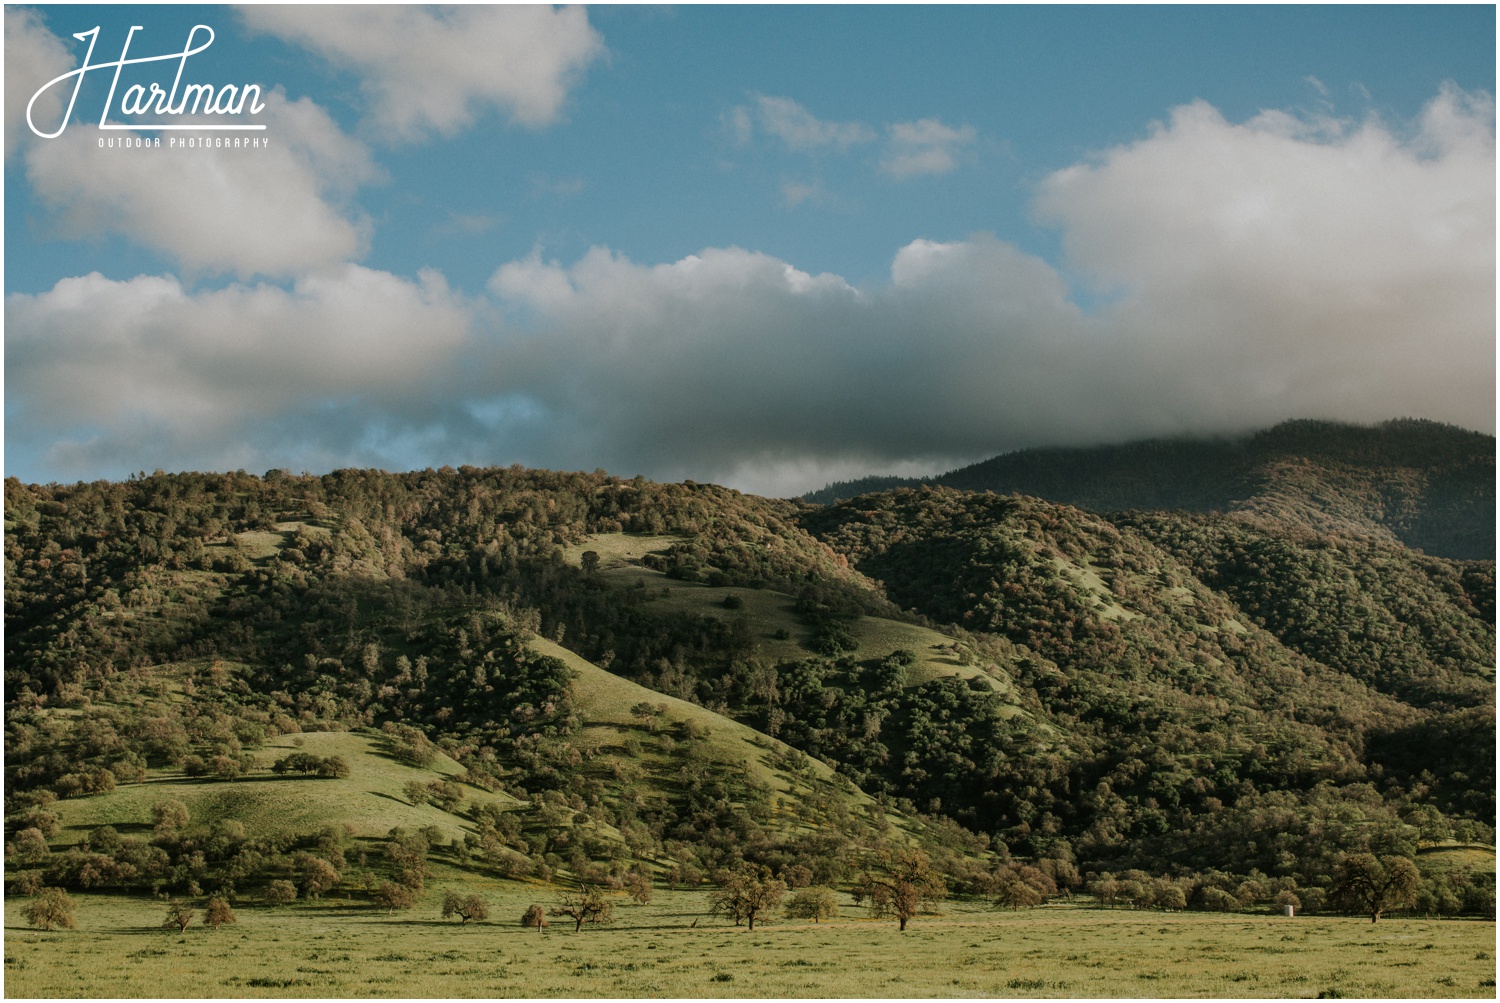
point(771, 617)
point(369, 800)
point(350, 682)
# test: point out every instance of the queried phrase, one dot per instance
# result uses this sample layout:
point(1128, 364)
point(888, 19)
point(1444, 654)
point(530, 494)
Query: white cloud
point(1261, 271)
point(799, 128)
point(1253, 272)
point(1269, 271)
point(435, 70)
point(33, 56)
point(146, 373)
point(277, 211)
point(739, 124)
point(926, 146)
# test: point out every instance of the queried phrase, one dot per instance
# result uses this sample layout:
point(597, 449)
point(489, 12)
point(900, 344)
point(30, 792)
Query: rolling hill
point(1224, 664)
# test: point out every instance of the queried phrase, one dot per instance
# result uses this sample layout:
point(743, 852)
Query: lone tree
point(464, 907)
point(446, 795)
point(217, 913)
point(648, 714)
point(50, 908)
point(1372, 886)
point(815, 903)
point(747, 892)
point(534, 916)
point(336, 767)
point(179, 915)
point(909, 883)
point(586, 905)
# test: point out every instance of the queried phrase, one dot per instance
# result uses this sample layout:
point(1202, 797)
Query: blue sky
point(767, 246)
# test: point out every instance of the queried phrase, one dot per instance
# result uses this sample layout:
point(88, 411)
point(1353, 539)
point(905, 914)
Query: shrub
point(50, 907)
point(217, 913)
point(281, 892)
point(815, 904)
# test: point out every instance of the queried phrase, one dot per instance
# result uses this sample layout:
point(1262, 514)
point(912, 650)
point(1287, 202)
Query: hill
point(545, 677)
point(177, 640)
point(1429, 485)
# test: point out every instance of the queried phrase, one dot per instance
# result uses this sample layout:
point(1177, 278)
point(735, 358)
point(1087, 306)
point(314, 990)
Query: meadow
point(336, 949)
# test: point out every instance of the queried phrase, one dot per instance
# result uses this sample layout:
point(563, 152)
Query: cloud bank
point(1243, 274)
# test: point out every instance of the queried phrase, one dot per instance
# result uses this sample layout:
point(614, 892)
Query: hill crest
point(1429, 485)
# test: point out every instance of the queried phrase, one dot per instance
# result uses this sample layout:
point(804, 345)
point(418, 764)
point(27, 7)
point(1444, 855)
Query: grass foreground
point(337, 949)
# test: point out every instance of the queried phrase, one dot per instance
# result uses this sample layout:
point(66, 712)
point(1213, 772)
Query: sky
point(768, 247)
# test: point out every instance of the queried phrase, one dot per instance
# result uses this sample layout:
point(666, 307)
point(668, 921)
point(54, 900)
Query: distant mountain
point(1429, 485)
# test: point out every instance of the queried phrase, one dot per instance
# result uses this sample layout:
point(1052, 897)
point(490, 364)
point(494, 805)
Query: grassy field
point(339, 950)
point(1457, 856)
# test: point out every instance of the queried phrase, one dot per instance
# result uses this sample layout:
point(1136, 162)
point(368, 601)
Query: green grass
point(340, 950)
point(369, 800)
point(1456, 856)
point(605, 699)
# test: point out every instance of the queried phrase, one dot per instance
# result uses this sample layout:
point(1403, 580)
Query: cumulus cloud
point(33, 56)
point(1248, 272)
point(277, 211)
point(428, 70)
point(730, 356)
point(795, 126)
point(1281, 267)
point(1251, 272)
point(147, 373)
point(926, 146)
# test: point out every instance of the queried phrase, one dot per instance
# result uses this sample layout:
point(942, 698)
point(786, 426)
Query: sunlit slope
point(628, 732)
point(607, 703)
point(369, 800)
point(779, 633)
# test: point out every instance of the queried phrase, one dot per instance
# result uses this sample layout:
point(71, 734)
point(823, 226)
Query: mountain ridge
point(1427, 484)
